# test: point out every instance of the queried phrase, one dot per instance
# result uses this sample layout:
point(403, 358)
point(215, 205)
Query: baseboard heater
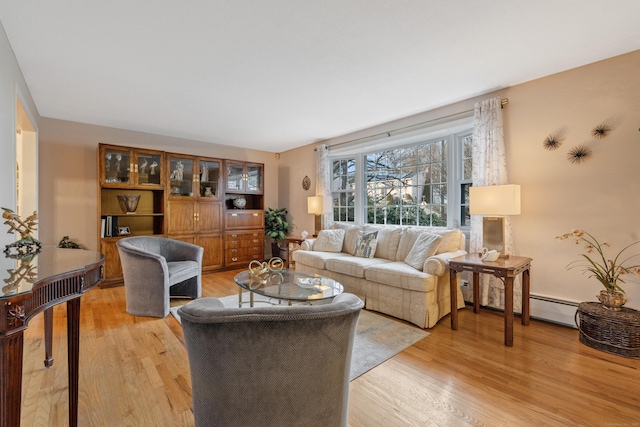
point(553, 310)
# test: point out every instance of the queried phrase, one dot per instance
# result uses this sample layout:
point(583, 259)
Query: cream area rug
point(378, 337)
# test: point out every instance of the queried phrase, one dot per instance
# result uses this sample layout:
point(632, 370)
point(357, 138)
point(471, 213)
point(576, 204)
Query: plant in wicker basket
point(607, 271)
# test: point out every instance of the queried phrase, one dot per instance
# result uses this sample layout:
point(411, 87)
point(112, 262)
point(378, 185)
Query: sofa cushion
point(450, 240)
point(388, 240)
point(352, 266)
point(329, 241)
point(365, 246)
point(317, 259)
point(401, 275)
point(351, 234)
point(425, 245)
point(407, 240)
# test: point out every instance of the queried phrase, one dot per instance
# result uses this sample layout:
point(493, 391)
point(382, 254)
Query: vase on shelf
point(613, 300)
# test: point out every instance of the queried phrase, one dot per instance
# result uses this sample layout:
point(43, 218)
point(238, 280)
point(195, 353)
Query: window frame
point(453, 131)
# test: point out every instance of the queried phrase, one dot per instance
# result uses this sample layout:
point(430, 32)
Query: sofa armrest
point(437, 265)
point(307, 245)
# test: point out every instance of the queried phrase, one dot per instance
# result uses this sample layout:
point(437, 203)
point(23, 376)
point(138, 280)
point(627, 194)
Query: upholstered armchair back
point(270, 366)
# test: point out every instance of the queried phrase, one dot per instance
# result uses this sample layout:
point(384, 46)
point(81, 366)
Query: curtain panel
point(489, 168)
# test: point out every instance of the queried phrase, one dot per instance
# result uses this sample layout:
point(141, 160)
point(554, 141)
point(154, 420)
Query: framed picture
point(123, 231)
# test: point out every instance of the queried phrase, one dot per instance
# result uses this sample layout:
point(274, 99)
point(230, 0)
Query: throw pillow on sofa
point(329, 241)
point(365, 246)
point(425, 246)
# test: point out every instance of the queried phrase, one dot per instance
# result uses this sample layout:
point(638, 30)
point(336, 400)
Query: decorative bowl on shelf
point(128, 202)
point(240, 202)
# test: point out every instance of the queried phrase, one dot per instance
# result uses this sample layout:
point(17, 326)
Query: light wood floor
point(134, 372)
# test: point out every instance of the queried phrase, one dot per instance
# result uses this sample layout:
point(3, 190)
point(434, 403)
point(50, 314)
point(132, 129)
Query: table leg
point(11, 350)
point(73, 345)
point(454, 298)
point(250, 299)
point(526, 289)
point(48, 337)
point(508, 311)
point(239, 297)
point(476, 292)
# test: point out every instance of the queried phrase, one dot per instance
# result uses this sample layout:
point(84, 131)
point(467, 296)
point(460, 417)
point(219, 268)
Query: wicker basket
point(616, 332)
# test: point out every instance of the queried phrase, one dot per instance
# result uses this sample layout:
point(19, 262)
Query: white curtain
point(490, 167)
point(323, 178)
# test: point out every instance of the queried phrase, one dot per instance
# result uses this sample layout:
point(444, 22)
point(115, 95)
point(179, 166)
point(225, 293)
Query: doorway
point(26, 165)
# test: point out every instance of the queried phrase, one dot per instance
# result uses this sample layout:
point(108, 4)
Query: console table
point(505, 269)
point(31, 285)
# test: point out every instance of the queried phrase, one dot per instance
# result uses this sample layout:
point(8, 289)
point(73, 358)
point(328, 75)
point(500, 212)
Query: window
point(343, 187)
point(425, 182)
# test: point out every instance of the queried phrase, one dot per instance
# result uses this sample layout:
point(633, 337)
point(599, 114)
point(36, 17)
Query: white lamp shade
point(495, 200)
point(319, 204)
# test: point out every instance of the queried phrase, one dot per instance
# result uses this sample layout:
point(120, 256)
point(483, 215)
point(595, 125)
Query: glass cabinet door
point(181, 177)
point(235, 175)
point(149, 168)
point(209, 178)
point(117, 166)
point(254, 178)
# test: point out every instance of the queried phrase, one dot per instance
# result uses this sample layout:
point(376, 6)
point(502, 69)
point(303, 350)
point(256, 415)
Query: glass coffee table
point(287, 285)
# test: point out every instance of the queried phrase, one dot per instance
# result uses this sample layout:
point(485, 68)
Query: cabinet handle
point(135, 168)
point(234, 242)
point(234, 236)
point(234, 214)
point(234, 251)
point(255, 214)
point(234, 259)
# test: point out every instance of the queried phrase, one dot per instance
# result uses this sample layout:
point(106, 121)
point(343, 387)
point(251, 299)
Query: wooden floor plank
point(134, 372)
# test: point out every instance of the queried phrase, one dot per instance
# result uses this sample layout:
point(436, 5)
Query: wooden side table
point(505, 269)
point(288, 241)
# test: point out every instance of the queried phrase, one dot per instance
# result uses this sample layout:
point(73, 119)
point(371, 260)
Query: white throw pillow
point(425, 246)
point(365, 246)
point(329, 241)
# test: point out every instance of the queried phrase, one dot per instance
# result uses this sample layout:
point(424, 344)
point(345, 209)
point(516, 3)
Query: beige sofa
point(386, 282)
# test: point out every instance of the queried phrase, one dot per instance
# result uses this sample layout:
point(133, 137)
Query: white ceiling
point(278, 74)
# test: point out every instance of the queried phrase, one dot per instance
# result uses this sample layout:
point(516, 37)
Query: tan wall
point(68, 173)
point(557, 196)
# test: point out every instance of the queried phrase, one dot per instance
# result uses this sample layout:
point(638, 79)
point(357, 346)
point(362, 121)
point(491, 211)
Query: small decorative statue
point(178, 172)
point(27, 244)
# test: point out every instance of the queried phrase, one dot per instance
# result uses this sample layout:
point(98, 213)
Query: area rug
point(378, 337)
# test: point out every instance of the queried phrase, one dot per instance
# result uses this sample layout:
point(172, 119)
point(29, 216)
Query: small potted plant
point(276, 227)
point(607, 271)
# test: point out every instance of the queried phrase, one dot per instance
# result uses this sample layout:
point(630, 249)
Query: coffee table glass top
point(290, 285)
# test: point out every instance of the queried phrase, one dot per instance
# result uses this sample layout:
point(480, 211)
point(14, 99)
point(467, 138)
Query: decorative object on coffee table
point(606, 270)
point(27, 243)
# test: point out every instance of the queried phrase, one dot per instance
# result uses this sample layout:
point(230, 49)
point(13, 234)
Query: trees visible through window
point(425, 183)
point(408, 185)
point(343, 187)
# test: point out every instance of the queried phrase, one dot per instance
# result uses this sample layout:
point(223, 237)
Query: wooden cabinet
point(242, 247)
point(244, 177)
point(183, 197)
point(195, 205)
point(135, 174)
point(125, 167)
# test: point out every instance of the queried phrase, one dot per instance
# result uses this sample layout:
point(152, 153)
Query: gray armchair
point(155, 269)
point(270, 366)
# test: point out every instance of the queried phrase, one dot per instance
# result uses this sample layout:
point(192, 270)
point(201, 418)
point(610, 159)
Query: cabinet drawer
point(244, 219)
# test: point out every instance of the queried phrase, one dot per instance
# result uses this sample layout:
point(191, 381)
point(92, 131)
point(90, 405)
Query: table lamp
point(319, 205)
point(494, 202)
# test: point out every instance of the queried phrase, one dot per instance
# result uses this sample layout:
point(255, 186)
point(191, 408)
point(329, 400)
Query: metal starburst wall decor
point(579, 154)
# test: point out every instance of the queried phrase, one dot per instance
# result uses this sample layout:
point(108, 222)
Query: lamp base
point(493, 233)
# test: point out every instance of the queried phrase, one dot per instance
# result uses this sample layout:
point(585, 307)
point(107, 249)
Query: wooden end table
point(505, 269)
point(288, 242)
